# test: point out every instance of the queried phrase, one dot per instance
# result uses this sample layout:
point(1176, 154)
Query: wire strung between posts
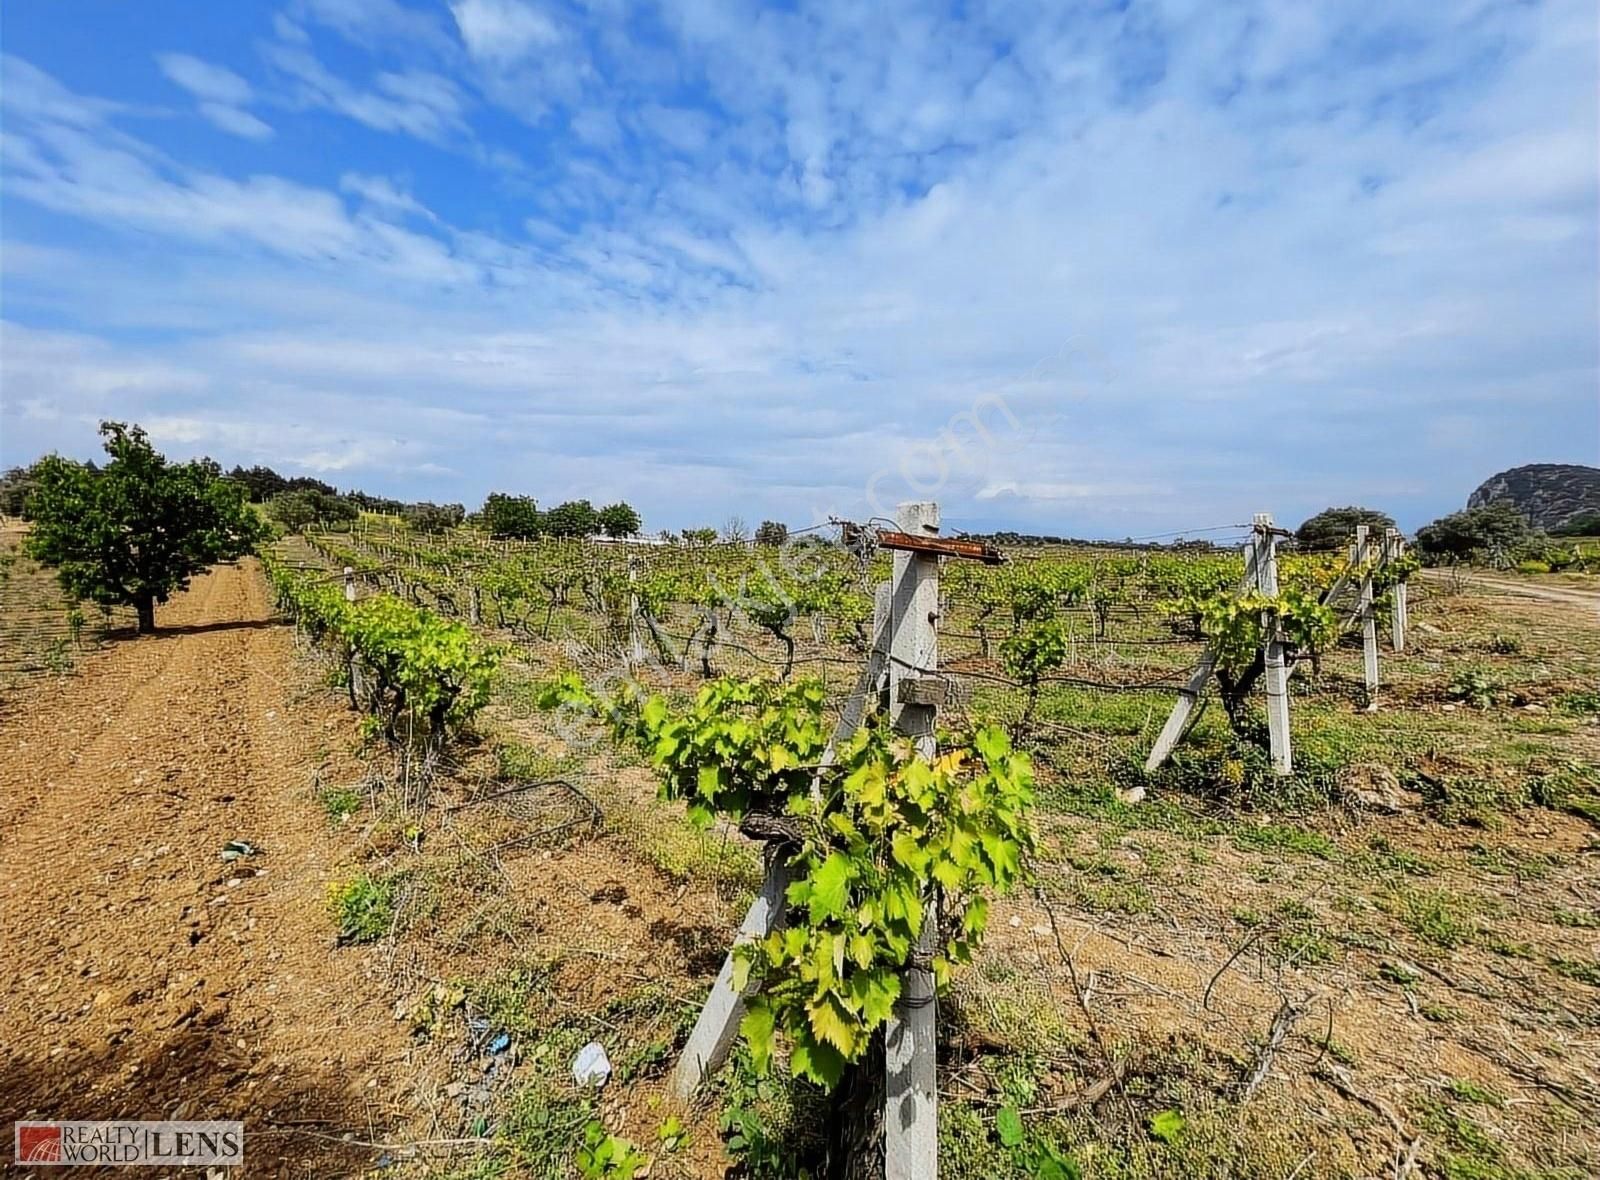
point(1080, 681)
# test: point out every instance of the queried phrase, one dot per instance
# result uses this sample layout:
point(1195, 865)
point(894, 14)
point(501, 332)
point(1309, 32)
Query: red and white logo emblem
point(38, 1143)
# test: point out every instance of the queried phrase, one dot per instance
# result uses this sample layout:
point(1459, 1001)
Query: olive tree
point(135, 531)
point(511, 517)
point(771, 532)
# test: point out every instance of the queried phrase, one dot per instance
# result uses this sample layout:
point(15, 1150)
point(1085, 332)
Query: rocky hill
point(1548, 494)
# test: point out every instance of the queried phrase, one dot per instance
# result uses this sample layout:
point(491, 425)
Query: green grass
point(1285, 838)
point(1438, 916)
point(1532, 866)
point(515, 762)
point(1382, 856)
point(1305, 948)
point(340, 802)
point(1469, 1091)
point(1582, 970)
point(1115, 897)
point(364, 906)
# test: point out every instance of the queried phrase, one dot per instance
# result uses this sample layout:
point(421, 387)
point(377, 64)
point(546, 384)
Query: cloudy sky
point(1181, 260)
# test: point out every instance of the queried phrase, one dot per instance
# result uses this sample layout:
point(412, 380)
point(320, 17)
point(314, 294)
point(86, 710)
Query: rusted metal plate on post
point(939, 546)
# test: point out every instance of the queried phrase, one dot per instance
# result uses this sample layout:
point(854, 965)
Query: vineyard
point(1085, 658)
point(1139, 626)
point(741, 816)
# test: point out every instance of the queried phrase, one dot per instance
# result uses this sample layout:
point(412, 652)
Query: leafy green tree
point(575, 518)
point(507, 517)
point(136, 530)
point(1332, 528)
point(1489, 533)
point(619, 520)
point(297, 510)
point(263, 483)
point(771, 532)
point(705, 536)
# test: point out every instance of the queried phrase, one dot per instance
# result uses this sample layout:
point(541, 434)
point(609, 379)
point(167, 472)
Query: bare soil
point(149, 977)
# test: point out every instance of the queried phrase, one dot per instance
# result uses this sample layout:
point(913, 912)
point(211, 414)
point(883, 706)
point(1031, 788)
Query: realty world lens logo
point(129, 1143)
point(38, 1143)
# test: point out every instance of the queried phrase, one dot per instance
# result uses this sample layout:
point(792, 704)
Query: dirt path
point(147, 977)
point(1493, 585)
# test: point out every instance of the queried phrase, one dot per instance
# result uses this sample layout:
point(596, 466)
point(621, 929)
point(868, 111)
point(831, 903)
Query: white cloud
point(55, 159)
point(501, 32)
point(235, 121)
point(383, 193)
point(1216, 260)
point(222, 94)
point(413, 102)
point(205, 81)
point(374, 23)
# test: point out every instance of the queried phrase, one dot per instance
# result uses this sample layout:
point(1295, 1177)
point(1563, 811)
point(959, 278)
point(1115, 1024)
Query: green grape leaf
point(832, 1024)
point(820, 1063)
point(757, 1029)
point(830, 888)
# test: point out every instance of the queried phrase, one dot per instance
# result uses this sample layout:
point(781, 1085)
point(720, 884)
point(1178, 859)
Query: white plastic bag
point(591, 1067)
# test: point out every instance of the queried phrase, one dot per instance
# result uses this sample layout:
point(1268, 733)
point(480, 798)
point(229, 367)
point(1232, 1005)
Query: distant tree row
point(505, 516)
point(298, 502)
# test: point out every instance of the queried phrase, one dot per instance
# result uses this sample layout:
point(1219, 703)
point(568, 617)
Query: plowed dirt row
point(148, 978)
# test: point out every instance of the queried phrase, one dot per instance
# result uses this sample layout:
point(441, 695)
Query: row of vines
point(1139, 618)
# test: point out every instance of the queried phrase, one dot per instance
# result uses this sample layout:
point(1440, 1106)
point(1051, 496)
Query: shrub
point(1489, 534)
point(1332, 528)
point(1476, 687)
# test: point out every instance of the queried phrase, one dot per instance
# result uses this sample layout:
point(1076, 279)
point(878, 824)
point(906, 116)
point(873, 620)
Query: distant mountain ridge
point(1548, 494)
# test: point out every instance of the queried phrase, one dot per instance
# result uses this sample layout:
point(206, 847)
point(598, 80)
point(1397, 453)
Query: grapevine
point(416, 668)
point(875, 842)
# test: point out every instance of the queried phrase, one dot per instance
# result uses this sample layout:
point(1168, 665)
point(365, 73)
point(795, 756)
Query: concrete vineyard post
point(635, 647)
point(1369, 622)
point(718, 1024)
point(1396, 548)
point(356, 693)
point(1189, 694)
point(911, 1111)
point(1277, 676)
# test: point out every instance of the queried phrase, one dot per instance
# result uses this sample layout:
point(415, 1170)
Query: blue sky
point(1183, 261)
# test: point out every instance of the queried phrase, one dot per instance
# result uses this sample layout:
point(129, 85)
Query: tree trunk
point(145, 604)
point(856, 1131)
point(1235, 692)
